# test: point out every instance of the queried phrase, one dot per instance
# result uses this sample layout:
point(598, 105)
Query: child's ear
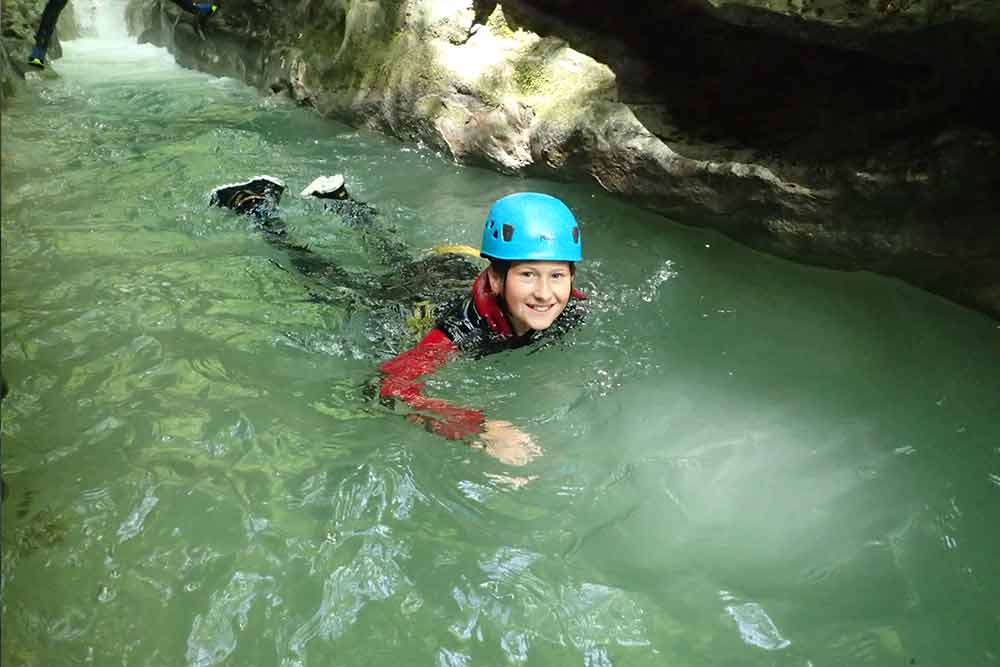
point(496, 281)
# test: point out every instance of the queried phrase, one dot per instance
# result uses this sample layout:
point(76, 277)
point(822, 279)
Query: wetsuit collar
point(488, 306)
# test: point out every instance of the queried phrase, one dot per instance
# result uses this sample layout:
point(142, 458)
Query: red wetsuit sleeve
point(399, 381)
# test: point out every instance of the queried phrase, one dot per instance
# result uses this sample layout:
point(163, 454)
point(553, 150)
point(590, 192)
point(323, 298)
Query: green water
point(746, 461)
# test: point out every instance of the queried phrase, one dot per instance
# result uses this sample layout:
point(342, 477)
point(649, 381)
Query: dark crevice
point(782, 86)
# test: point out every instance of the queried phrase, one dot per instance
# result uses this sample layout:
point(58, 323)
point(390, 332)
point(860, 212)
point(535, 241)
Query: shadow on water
point(746, 462)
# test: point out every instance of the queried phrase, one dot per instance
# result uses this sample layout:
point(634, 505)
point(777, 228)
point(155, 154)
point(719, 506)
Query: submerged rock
point(858, 134)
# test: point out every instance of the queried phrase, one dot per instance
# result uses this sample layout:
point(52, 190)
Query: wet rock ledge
point(18, 23)
point(857, 134)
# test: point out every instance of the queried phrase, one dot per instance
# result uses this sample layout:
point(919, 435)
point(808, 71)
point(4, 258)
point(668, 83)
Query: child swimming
point(526, 295)
point(533, 244)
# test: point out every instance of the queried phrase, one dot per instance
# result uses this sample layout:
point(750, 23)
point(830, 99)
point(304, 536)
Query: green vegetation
point(530, 76)
point(421, 320)
point(42, 530)
point(497, 23)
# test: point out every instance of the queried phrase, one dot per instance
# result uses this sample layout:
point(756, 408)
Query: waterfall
point(104, 19)
point(104, 43)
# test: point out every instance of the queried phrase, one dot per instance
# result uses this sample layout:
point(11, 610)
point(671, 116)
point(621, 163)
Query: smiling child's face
point(536, 293)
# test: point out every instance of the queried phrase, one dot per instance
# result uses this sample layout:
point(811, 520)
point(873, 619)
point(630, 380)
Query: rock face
point(20, 21)
point(858, 134)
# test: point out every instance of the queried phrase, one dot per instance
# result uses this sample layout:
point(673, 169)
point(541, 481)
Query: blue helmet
point(531, 226)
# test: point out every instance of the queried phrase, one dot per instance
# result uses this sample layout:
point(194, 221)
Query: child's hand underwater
point(507, 443)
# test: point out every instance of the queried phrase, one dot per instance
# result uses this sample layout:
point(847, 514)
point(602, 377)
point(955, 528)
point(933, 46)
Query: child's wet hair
point(500, 267)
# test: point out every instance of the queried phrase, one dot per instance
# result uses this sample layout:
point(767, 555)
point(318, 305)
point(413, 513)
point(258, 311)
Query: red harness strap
point(488, 306)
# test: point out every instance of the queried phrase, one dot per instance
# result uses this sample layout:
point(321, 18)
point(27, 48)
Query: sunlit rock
point(854, 134)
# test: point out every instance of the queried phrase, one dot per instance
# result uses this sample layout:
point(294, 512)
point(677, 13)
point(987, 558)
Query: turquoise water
point(746, 461)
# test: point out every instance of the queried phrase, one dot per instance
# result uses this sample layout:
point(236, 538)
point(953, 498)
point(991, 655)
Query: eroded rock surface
point(859, 134)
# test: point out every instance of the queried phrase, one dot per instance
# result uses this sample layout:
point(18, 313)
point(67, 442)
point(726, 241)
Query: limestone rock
point(859, 134)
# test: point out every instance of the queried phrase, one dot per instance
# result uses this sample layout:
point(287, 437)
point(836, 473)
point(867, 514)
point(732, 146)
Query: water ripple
point(213, 635)
point(373, 574)
point(514, 603)
point(133, 524)
point(756, 627)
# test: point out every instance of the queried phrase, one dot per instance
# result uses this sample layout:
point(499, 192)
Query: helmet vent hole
point(576, 235)
point(508, 232)
point(496, 235)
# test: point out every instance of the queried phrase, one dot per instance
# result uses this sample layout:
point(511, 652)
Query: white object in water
point(756, 627)
point(324, 185)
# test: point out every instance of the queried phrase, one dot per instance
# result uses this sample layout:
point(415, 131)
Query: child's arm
point(399, 381)
point(501, 440)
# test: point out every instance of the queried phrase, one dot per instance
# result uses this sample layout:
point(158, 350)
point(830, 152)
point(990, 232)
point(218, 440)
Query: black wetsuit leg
point(48, 23)
point(325, 272)
point(186, 5)
point(3, 487)
point(436, 278)
point(379, 241)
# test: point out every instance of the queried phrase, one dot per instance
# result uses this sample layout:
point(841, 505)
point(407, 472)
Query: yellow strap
point(243, 197)
point(456, 249)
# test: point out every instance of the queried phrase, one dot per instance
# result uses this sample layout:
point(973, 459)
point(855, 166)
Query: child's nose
point(543, 289)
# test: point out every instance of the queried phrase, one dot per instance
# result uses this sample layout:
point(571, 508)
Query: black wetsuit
point(473, 323)
point(3, 488)
point(435, 279)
